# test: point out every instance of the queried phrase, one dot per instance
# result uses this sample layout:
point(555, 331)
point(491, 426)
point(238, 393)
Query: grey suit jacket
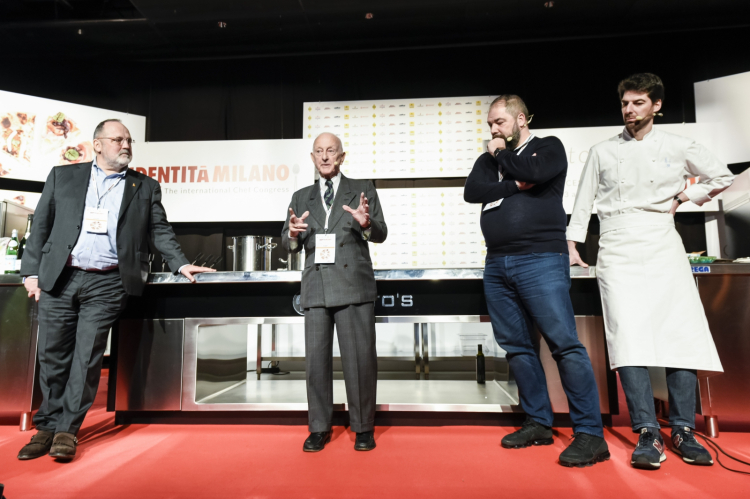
point(59, 217)
point(351, 279)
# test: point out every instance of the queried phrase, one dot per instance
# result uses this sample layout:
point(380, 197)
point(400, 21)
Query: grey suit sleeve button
point(70, 246)
point(78, 227)
point(346, 265)
point(341, 245)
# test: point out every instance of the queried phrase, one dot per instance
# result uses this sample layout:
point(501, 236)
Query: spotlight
point(222, 24)
point(549, 5)
point(369, 15)
point(80, 31)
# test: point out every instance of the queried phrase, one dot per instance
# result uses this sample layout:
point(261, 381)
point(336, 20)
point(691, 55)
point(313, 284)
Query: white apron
point(653, 315)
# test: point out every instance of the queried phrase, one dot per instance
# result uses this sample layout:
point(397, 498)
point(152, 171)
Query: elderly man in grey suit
point(339, 216)
point(88, 251)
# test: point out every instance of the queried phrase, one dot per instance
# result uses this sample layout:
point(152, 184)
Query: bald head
point(327, 137)
point(328, 155)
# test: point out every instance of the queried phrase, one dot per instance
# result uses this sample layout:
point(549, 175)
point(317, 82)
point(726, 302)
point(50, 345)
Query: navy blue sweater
point(530, 221)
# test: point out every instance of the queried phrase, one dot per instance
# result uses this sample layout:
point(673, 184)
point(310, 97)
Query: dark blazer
point(351, 279)
point(59, 217)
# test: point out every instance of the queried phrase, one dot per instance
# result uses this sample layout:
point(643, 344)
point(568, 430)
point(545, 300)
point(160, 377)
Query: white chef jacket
point(625, 176)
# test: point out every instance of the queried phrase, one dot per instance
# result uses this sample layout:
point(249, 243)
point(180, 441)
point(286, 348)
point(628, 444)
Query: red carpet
point(166, 461)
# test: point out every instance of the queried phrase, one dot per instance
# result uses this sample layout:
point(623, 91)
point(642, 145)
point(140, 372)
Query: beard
point(514, 137)
point(123, 160)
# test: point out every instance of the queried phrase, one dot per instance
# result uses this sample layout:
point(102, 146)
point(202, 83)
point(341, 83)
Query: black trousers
point(74, 322)
point(355, 327)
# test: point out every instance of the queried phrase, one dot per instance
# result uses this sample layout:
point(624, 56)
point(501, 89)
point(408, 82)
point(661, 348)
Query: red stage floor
point(165, 461)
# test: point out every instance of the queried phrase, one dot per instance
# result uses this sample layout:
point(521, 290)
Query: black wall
point(566, 83)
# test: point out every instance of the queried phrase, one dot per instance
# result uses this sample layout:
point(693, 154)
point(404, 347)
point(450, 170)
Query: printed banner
point(227, 181)
point(37, 134)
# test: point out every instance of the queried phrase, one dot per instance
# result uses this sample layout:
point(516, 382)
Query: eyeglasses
point(331, 152)
point(118, 140)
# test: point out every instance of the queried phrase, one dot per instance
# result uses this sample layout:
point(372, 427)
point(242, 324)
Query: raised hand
point(362, 213)
point(297, 224)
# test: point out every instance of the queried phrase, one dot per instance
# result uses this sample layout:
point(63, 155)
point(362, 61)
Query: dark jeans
point(681, 384)
point(74, 322)
point(527, 289)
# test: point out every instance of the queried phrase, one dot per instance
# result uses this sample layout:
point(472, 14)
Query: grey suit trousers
point(74, 322)
point(355, 326)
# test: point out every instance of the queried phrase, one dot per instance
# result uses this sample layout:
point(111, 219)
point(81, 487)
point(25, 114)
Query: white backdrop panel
point(404, 138)
point(31, 144)
point(726, 102)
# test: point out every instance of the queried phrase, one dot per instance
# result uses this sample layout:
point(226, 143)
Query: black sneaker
point(689, 448)
point(531, 433)
point(649, 453)
point(586, 450)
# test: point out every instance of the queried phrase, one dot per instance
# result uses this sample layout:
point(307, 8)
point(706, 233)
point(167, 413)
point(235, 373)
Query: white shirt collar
point(627, 137)
point(519, 149)
point(336, 180)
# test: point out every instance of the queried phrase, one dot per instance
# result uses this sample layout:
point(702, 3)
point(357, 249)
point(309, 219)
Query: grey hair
point(100, 127)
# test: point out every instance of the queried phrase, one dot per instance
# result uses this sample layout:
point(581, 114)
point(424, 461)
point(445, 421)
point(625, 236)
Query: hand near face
point(498, 143)
point(362, 213)
point(297, 224)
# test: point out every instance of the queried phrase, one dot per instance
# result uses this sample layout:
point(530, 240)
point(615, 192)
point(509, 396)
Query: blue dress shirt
point(99, 251)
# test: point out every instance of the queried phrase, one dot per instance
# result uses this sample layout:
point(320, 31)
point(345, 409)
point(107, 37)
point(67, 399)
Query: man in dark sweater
point(527, 278)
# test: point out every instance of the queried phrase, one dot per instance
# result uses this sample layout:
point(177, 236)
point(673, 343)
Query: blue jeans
point(681, 384)
point(527, 289)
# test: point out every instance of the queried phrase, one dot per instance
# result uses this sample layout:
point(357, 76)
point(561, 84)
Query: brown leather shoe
point(64, 446)
point(38, 447)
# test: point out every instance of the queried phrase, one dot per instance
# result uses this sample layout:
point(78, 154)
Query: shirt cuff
point(293, 243)
point(577, 235)
point(367, 232)
point(696, 193)
point(179, 271)
point(29, 277)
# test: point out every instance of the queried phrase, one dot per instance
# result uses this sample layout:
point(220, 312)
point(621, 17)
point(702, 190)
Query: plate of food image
point(16, 135)
point(61, 125)
point(77, 153)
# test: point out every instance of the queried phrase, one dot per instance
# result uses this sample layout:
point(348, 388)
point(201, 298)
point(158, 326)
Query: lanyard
point(96, 187)
point(326, 208)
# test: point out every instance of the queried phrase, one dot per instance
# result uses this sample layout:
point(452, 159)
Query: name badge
point(493, 204)
point(325, 248)
point(95, 220)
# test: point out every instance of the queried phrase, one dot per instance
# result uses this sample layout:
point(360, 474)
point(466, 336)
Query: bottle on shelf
point(480, 366)
point(11, 254)
point(22, 244)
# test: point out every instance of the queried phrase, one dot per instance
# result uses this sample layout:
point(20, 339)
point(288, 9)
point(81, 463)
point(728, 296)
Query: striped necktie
point(328, 196)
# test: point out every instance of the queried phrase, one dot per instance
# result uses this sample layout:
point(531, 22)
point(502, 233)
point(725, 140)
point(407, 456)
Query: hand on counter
point(575, 257)
point(32, 286)
point(189, 270)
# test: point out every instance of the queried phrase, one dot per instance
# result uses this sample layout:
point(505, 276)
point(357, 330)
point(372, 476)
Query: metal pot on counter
point(254, 253)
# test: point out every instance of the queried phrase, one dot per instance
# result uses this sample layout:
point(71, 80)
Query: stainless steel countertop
point(384, 275)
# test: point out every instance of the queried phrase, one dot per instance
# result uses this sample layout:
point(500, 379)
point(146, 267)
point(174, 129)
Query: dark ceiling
point(189, 29)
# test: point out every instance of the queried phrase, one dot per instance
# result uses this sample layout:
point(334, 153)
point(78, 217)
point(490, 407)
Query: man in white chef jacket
point(653, 315)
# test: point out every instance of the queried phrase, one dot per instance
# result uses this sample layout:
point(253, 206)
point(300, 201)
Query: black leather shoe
point(365, 441)
point(64, 447)
point(38, 447)
point(316, 441)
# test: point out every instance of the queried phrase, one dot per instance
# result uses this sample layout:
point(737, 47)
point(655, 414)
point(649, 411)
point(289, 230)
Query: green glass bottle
point(480, 366)
point(11, 254)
